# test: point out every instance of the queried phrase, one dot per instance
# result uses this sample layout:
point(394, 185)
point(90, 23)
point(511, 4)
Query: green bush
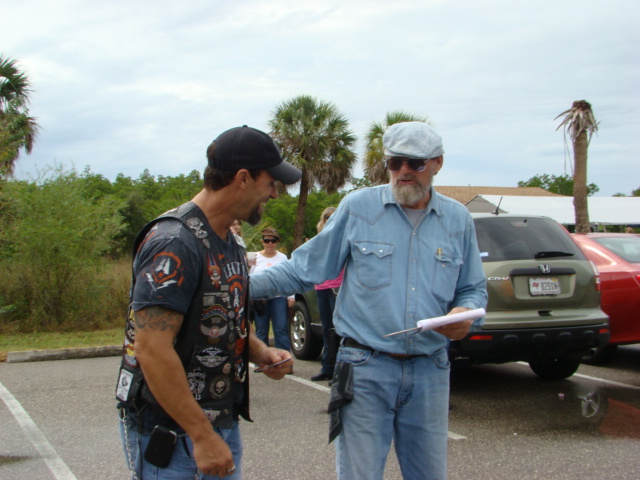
point(53, 237)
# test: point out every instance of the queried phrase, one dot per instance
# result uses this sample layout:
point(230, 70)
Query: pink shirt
point(335, 283)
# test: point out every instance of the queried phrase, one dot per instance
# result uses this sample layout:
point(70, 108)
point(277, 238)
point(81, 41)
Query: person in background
point(628, 229)
point(408, 253)
point(274, 310)
point(236, 229)
point(183, 380)
point(327, 293)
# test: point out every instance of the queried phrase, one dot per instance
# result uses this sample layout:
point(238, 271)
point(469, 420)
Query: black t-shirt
point(168, 269)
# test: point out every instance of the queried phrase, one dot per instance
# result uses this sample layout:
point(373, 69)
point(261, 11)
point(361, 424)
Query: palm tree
point(314, 136)
point(580, 124)
point(374, 168)
point(17, 129)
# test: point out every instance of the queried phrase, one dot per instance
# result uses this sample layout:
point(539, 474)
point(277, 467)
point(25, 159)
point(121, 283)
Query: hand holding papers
point(435, 322)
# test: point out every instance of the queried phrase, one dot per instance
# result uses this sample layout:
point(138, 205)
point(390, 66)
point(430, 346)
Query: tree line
point(66, 238)
point(66, 242)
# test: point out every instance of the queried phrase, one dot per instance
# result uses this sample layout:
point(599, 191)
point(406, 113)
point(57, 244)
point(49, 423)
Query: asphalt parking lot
point(59, 422)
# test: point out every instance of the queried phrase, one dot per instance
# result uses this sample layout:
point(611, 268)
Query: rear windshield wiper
point(552, 253)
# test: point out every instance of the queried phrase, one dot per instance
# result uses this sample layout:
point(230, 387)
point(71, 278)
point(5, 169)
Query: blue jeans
point(326, 304)
point(182, 465)
point(405, 400)
point(275, 309)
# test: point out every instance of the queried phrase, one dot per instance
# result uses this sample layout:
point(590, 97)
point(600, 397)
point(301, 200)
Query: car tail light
point(481, 337)
point(596, 274)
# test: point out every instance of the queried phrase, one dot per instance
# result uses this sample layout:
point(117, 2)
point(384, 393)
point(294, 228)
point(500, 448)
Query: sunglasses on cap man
point(269, 240)
point(416, 164)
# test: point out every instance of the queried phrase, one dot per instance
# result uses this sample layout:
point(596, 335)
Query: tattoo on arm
point(159, 319)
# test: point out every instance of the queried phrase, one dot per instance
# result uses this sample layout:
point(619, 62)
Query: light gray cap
point(412, 139)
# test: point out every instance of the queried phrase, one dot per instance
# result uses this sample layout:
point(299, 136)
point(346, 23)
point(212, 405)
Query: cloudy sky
point(121, 86)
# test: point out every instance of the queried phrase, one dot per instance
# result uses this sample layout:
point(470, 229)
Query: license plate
point(544, 286)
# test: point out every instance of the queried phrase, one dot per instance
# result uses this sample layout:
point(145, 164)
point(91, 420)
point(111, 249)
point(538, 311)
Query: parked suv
point(544, 300)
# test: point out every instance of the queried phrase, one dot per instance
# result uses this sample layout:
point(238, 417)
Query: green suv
point(544, 300)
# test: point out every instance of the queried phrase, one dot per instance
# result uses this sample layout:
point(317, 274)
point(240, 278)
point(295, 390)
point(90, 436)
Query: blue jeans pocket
point(441, 359)
point(354, 356)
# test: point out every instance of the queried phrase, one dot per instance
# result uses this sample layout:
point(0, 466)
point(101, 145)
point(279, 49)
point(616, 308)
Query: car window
point(511, 238)
point(627, 248)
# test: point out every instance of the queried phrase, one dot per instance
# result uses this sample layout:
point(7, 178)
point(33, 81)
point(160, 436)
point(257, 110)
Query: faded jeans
point(182, 465)
point(275, 309)
point(404, 400)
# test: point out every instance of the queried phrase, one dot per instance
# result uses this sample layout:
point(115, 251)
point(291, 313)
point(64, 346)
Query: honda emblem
point(545, 268)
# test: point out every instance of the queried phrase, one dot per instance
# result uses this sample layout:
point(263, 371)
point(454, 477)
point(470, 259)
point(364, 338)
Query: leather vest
point(213, 340)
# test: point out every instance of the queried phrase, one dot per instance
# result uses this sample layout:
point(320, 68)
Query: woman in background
point(327, 293)
point(236, 229)
point(274, 310)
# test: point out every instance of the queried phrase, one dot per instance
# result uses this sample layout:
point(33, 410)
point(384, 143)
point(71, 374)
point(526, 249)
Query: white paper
point(435, 322)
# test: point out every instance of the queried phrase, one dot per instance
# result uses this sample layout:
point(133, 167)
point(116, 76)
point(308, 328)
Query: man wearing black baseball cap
point(246, 147)
point(183, 380)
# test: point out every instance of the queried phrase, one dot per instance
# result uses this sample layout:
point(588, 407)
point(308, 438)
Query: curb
point(63, 354)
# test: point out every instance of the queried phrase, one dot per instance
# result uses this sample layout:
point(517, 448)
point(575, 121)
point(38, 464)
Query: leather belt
point(351, 343)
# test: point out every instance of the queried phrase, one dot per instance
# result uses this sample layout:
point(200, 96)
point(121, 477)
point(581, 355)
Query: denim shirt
point(395, 275)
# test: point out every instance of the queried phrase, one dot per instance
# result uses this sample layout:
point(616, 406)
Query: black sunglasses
point(269, 240)
point(415, 164)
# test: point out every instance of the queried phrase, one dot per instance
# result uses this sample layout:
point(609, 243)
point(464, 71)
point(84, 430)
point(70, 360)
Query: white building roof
point(602, 210)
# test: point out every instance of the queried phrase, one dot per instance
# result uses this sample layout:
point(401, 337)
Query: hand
point(273, 355)
point(213, 456)
point(291, 301)
point(458, 330)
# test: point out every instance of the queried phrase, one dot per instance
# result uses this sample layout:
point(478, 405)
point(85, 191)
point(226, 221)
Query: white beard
point(409, 194)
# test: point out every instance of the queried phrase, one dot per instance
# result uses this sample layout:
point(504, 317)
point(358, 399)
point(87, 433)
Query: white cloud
point(126, 86)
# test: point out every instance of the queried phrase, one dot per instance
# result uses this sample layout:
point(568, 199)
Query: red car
point(617, 256)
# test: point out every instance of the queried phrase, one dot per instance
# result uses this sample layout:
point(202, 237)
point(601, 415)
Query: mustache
point(407, 176)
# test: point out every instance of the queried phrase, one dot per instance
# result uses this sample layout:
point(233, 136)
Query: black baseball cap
point(246, 147)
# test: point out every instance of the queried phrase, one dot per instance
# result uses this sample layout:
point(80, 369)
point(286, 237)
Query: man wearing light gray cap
point(409, 253)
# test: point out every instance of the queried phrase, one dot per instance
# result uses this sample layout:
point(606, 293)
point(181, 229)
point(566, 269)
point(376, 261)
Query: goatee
point(409, 194)
point(255, 217)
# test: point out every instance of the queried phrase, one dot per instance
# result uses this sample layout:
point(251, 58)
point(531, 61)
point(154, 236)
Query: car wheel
point(304, 344)
point(555, 368)
point(601, 355)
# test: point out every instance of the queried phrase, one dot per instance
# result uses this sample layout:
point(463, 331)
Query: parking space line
point(309, 383)
point(595, 379)
point(322, 388)
point(57, 466)
point(609, 382)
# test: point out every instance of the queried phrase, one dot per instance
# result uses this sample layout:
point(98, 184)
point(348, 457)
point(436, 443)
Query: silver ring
point(232, 469)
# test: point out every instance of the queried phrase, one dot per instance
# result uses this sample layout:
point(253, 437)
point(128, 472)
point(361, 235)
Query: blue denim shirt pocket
point(373, 263)
point(446, 276)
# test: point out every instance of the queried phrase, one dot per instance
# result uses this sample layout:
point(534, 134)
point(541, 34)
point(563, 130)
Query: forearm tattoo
point(157, 318)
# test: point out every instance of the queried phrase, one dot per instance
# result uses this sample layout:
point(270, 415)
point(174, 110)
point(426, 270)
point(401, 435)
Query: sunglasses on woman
point(415, 164)
point(270, 240)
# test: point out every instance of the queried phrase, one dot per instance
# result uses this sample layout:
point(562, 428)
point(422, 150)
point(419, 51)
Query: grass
point(15, 342)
